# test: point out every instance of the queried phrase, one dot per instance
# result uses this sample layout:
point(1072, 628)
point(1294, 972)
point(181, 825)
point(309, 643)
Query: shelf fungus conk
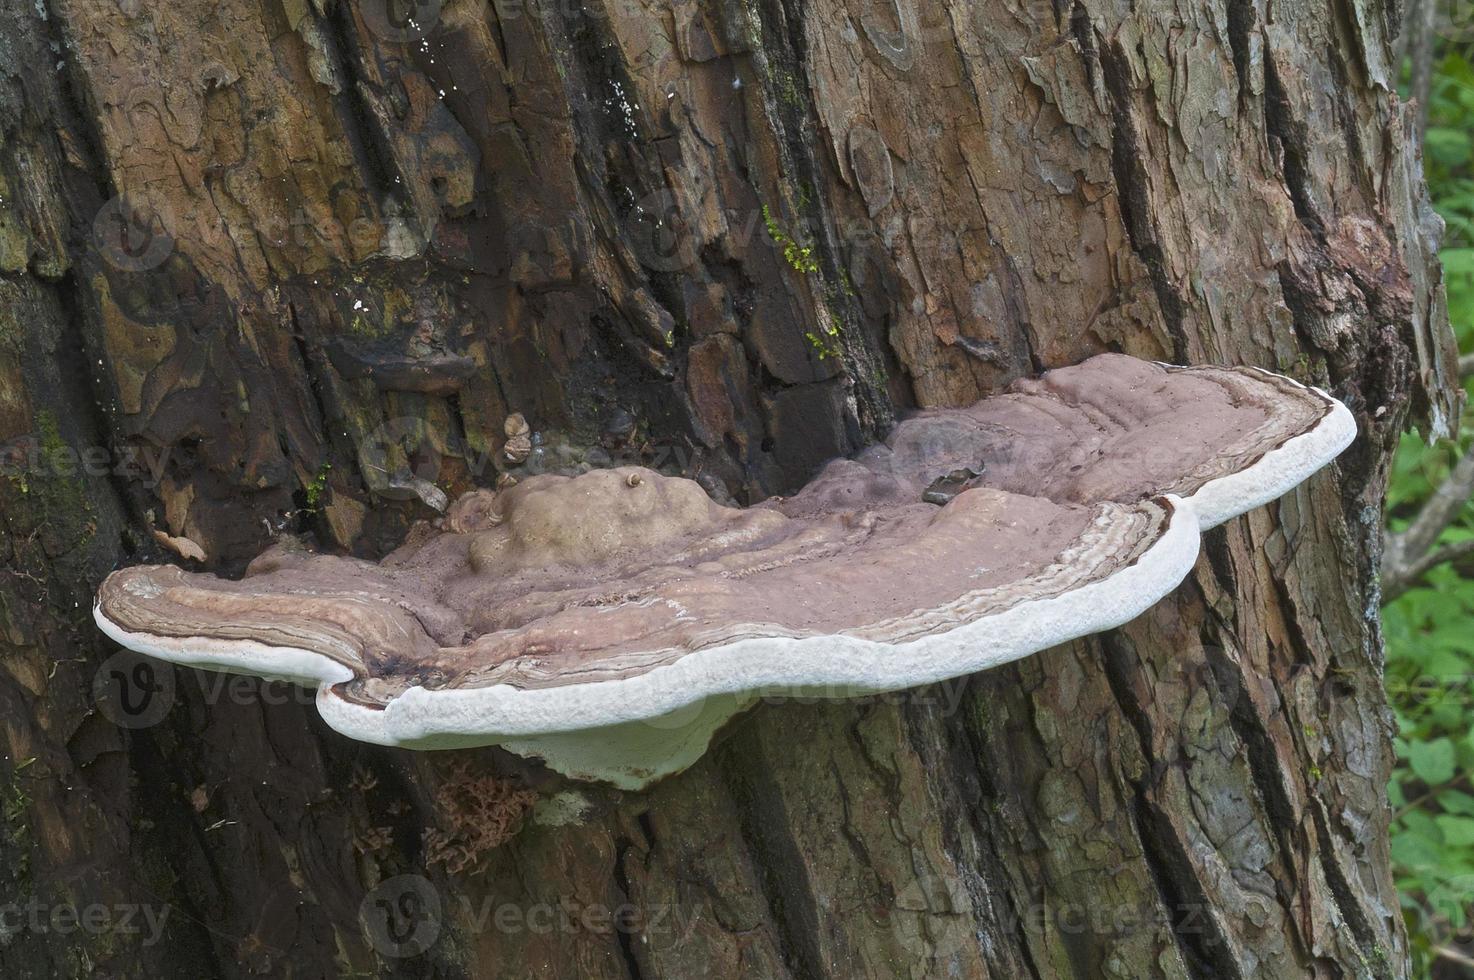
point(609, 623)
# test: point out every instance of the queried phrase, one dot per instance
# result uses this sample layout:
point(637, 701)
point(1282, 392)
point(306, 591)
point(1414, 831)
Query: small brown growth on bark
point(373, 840)
point(476, 812)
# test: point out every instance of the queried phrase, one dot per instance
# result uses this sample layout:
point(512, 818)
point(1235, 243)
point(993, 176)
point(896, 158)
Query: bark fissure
point(1260, 745)
point(1290, 136)
point(77, 354)
point(625, 937)
point(970, 751)
point(1348, 901)
point(1243, 18)
point(1216, 549)
point(1195, 924)
point(786, 892)
point(1134, 196)
point(312, 366)
point(1204, 950)
point(796, 119)
point(367, 139)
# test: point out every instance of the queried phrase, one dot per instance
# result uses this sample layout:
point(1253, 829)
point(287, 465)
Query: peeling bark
point(264, 266)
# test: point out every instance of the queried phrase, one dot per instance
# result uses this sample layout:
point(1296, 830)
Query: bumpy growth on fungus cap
point(610, 622)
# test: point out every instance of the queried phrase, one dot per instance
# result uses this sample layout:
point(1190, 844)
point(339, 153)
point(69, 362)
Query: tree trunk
point(274, 268)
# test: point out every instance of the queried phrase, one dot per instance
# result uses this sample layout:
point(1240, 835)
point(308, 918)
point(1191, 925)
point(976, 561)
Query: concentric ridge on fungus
point(608, 623)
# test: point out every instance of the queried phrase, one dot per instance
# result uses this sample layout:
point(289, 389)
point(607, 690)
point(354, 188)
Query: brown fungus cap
point(609, 622)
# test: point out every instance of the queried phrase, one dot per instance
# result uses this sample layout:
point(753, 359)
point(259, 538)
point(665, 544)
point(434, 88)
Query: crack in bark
point(1281, 126)
point(1206, 953)
point(969, 749)
point(846, 826)
point(1340, 101)
point(762, 822)
point(86, 399)
point(1242, 17)
point(1216, 549)
point(1207, 957)
point(1363, 932)
point(1134, 196)
point(310, 366)
point(1257, 742)
point(369, 144)
point(625, 938)
point(83, 127)
point(786, 42)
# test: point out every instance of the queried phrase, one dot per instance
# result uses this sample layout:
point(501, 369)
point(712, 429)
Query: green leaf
point(1446, 146)
point(1432, 761)
point(1457, 831)
point(1457, 801)
point(1415, 851)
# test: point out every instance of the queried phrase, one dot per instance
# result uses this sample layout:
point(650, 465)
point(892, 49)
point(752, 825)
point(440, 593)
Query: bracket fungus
point(609, 623)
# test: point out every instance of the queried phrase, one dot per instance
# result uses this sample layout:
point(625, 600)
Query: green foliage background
point(1430, 629)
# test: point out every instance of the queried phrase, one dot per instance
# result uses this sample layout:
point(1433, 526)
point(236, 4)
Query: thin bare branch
point(1406, 556)
point(1404, 578)
point(1453, 956)
point(1442, 507)
point(1466, 366)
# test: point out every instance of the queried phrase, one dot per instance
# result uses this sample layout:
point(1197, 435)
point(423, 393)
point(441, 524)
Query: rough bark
point(577, 227)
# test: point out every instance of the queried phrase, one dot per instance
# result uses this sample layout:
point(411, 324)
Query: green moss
point(318, 485)
point(15, 825)
point(359, 327)
point(381, 307)
point(754, 26)
point(847, 283)
point(51, 440)
point(826, 342)
point(784, 86)
point(1297, 367)
point(49, 496)
point(15, 245)
point(799, 257)
point(11, 332)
